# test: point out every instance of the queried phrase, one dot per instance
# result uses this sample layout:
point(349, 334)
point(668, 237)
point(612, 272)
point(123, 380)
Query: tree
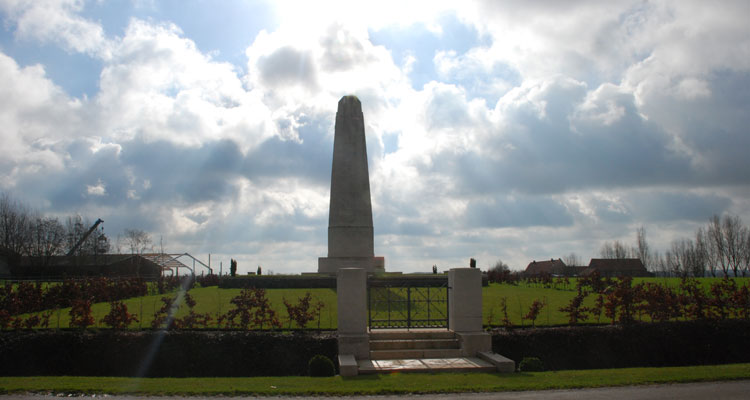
point(717, 244)
point(47, 239)
point(233, 267)
point(614, 250)
point(642, 248)
point(734, 237)
point(707, 248)
point(572, 260)
point(137, 240)
point(14, 224)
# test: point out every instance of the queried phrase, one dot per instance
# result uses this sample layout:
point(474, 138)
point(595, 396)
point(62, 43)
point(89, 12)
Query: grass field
point(373, 384)
point(518, 299)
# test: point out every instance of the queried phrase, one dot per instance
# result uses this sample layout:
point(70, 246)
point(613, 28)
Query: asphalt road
point(686, 391)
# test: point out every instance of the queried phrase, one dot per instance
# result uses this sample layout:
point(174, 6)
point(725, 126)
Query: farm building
point(547, 267)
point(109, 265)
point(613, 267)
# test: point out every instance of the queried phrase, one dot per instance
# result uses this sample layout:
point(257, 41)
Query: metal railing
point(405, 307)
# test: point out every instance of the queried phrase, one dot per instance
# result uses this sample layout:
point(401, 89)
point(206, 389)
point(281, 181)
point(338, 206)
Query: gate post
point(351, 294)
point(465, 310)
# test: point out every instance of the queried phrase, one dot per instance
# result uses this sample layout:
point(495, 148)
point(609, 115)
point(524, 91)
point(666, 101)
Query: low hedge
point(161, 353)
point(637, 345)
point(252, 353)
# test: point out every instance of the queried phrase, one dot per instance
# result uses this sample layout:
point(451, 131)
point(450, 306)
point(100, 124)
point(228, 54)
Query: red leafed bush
point(80, 314)
point(252, 308)
point(119, 317)
point(304, 311)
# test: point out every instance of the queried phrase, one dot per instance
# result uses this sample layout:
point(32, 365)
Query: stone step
point(413, 354)
point(449, 364)
point(399, 344)
point(403, 334)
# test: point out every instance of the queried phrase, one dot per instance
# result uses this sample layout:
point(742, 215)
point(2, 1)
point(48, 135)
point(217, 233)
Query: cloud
point(57, 21)
point(520, 131)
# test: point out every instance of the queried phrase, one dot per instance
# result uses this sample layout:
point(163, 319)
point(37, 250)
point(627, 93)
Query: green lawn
point(214, 301)
point(518, 299)
point(374, 384)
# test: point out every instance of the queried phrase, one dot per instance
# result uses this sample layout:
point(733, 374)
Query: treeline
point(26, 232)
point(720, 248)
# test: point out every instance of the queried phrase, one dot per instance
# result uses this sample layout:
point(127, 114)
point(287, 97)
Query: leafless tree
point(700, 254)
point(47, 239)
point(137, 240)
point(642, 250)
point(14, 224)
point(614, 250)
point(733, 231)
point(746, 253)
point(717, 248)
point(687, 258)
point(572, 260)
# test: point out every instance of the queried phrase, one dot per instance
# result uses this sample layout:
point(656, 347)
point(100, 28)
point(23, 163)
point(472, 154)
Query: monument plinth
point(350, 233)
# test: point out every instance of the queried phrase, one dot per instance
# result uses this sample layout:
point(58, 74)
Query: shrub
point(304, 311)
point(80, 314)
point(320, 365)
point(531, 364)
point(119, 317)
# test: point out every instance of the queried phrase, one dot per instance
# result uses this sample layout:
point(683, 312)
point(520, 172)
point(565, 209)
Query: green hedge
point(638, 345)
point(161, 353)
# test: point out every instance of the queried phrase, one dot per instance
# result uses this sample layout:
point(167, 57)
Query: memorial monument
point(350, 231)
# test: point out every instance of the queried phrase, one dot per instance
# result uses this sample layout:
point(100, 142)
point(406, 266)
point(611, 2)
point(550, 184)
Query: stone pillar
point(351, 293)
point(350, 231)
point(465, 310)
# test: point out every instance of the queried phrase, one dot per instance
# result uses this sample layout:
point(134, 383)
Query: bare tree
point(700, 256)
point(642, 249)
point(731, 227)
point(14, 224)
point(614, 250)
point(137, 240)
point(572, 260)
point(710, 255)
point(717, 244)
point(746, 252)
point(47, 239)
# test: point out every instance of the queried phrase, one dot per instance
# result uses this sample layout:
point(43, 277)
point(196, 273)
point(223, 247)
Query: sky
point(498, 130)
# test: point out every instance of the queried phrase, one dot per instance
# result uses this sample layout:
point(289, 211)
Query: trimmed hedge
point(329, 282)
point(278, 282)
point(638, 345)
point(252, 353)
point(161, 353)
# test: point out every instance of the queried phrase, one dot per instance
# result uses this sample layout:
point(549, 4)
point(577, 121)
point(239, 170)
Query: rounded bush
point(531, 364)
point(320, 365)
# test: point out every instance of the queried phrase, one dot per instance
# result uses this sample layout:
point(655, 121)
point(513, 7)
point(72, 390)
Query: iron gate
point(393, 306)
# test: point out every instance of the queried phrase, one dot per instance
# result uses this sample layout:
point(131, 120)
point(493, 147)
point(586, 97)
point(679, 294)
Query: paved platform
point(457, 364)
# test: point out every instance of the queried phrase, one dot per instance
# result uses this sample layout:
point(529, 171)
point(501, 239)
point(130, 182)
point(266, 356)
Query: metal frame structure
point(171, 262)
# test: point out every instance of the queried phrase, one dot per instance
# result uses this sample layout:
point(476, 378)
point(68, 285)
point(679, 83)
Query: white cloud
point(57, 21)
point(570, 123)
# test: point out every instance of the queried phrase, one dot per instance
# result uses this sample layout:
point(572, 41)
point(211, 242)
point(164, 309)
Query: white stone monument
point(350, 232)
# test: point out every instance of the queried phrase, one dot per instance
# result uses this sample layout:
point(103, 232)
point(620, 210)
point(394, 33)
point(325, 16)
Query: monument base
point(331, 265)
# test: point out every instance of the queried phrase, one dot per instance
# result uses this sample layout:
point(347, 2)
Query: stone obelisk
point(350, 233)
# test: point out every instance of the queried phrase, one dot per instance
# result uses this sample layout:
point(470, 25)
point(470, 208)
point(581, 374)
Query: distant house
point(614, 267)
point(547, 267)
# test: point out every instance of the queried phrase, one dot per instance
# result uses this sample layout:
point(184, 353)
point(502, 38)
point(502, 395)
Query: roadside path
point(729, 390)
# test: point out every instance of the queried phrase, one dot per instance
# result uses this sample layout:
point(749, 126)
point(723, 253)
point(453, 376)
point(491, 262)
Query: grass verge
point(375, 384)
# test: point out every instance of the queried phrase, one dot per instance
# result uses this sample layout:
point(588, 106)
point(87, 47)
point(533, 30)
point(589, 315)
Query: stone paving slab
point(456, 364)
